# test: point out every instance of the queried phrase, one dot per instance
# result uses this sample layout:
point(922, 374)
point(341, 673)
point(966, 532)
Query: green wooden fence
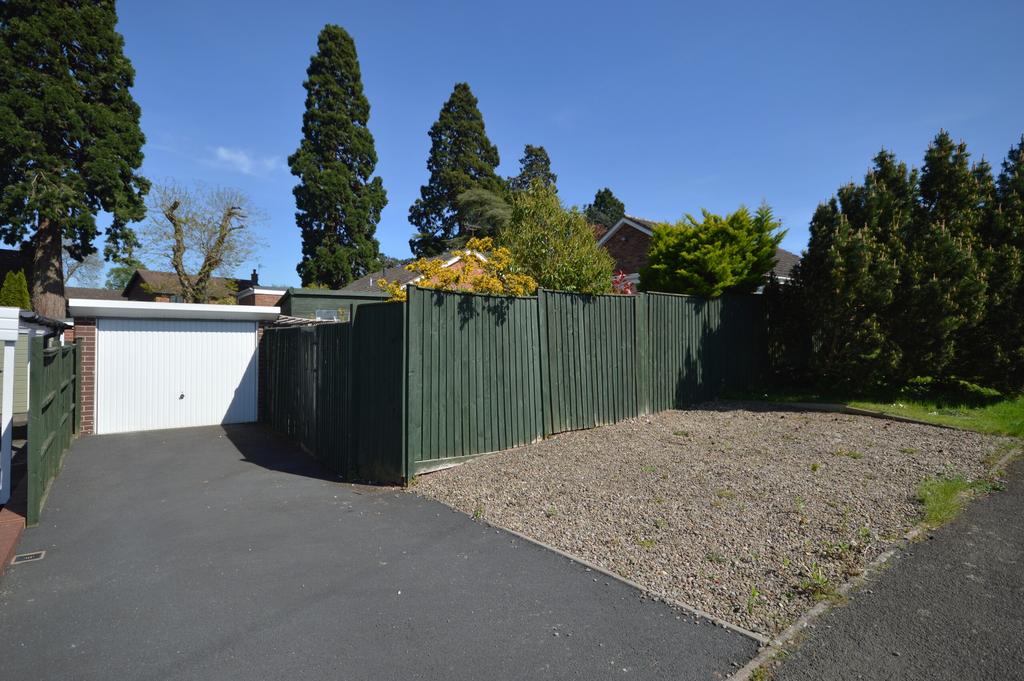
point(53, 417)
point(405, 389)
point(474, 380)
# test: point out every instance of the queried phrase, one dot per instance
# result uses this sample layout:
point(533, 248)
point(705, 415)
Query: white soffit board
point(134, 309)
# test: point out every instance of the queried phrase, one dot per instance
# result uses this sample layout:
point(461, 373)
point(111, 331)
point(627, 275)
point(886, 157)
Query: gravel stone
point(750, 514)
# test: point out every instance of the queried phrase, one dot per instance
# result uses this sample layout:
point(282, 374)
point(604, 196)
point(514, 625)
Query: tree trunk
point(48, 272)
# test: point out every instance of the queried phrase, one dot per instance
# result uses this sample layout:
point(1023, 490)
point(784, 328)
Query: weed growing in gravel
point(478, 512)
point(659, 500)
point(909, 450)
point(815, 466)
point(759, 674)
point(752, 599)
point(646, 543)
point(849, 453)
point(681, 433)
point(660, 523)
point(725, 494)
point(816, 584)
point(550, 512)
point(648, 469)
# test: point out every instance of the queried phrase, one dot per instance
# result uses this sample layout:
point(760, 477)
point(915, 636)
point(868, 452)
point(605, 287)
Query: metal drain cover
point(28, 557)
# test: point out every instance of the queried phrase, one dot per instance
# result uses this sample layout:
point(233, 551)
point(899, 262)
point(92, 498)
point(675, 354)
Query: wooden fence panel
point(591, 375)
point(474, 376)
point(700, 347)
point(377, 364)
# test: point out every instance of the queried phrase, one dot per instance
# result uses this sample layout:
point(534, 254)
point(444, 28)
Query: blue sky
point(675, 106)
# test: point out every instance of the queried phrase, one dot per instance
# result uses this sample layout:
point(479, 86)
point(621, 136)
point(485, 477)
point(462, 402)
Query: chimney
point(255, 277)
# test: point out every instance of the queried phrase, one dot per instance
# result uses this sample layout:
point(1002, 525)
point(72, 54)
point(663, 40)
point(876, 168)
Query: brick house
point(630, 238)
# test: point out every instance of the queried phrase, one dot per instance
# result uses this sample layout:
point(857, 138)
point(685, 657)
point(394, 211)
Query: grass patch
point(944, 498)
point(646, 543)
point(1002, 418)
point(725, 494)
point(849, 453)
point(995, 415)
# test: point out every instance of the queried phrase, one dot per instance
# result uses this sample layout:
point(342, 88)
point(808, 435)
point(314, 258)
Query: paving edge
point(778, 644)
point(12, 526)
point(760, 639)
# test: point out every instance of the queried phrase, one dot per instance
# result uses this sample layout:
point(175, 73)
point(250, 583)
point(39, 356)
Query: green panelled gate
point(402, 389)
point(53, 417)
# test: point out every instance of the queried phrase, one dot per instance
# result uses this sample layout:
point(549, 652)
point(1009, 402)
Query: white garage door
point(155, 373)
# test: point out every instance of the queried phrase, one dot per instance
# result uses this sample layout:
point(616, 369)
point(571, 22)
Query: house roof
point(784, 260)
point(87, 293)
point(167, 282)
point(368, 283)
point(398, 273)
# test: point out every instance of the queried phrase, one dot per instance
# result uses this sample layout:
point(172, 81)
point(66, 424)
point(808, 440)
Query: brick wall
point(268, 299)
point(628, 247)
point(261, 372)
point(85, 334)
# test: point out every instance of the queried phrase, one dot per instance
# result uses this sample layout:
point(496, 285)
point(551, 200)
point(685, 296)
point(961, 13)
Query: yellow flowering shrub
point(482, 268)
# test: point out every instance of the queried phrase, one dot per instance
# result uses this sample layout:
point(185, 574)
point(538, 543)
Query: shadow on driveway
point(223, 553)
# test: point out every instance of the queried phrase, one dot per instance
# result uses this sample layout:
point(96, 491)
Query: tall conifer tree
point(534, 166)
point(70, 142)
point(339, 201)
point(461, 158)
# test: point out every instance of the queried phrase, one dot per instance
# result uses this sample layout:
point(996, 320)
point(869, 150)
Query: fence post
point(643, 354)
point(545, 366)
point(36, 432)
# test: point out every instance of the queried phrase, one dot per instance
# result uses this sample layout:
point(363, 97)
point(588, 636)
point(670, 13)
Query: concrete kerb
point(794, 630)
point(833, 408)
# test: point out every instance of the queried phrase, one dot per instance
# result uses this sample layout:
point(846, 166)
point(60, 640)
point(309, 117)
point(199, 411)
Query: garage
point(168, 365)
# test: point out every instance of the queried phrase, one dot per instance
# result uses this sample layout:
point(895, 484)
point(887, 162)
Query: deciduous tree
point(199, 234)
point(555, 245)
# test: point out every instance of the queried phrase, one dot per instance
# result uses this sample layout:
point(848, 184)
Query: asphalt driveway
point(221, 553)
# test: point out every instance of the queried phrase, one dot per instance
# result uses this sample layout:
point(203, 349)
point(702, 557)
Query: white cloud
point(243, 162)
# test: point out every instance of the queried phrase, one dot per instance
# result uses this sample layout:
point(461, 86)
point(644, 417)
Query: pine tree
point(14, 292)
point(534, 166)
point(461, 158)
point(942, 285)
point(339, 202)
point(1003, 338)
point(70, 142)
point(605, 210)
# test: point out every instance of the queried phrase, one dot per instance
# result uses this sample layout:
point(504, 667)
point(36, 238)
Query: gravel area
point(748, 514)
